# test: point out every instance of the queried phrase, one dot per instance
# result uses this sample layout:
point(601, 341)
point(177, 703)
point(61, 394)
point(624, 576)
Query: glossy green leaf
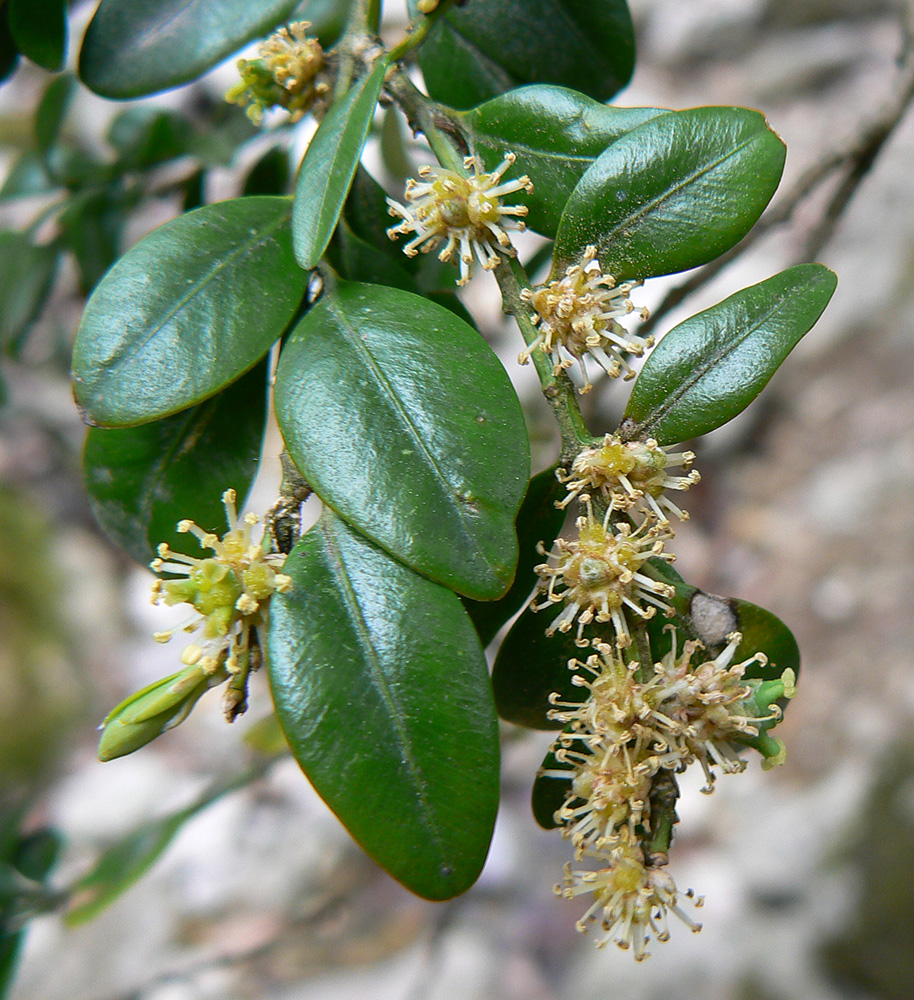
point(556, 134)
point(549, 792)
point(354, 259)
point(134, 47)
point(403, 420)
point(52, 110)
point(531, 665)
point(329, 165)
point(25, 280)
point(40, 30)
point(188, 310)
point(146, 136)
point(539, 520)
point(129, 858)
point(673, 193)
point(479, 50)
point(380, 685)
point(709, 368)
point(143, 480)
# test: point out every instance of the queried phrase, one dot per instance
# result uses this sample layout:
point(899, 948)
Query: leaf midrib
point(380, 684)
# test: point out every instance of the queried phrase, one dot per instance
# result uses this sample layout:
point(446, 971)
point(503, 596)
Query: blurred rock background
point(805, 507)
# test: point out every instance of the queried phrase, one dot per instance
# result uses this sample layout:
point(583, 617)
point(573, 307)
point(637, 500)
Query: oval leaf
point(143, 480)
point(480, 50)
point(186, 312)
point(672, 194)
point(403, 420)
point(134, 47)
point(539, 520)
point(25, 281)
point(531, 665)
point(330, 162)
point(556, 133)
point(40, 30)
point(709, 368)
point(381, 688)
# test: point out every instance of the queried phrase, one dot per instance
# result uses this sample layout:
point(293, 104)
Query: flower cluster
point(632, 898)
point(229, 591)
point(290, 74)
point(578, 315)
point(631, 726)
point(462, 210)
point(602, 575)
point(630, 474)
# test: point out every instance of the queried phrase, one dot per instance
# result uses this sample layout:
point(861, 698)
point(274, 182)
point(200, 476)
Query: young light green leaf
point(479, 50)
point(133, 47)
point(143, 480)
point(40, 30)
point(556, 134)
point(188, 310)
point(381, 687)
point(330, 162)
point(403, 420)
point(709, 368)
point(122, 864)
point(673, 193)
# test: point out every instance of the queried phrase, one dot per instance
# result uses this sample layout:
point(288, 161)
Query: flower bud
point(150, 712)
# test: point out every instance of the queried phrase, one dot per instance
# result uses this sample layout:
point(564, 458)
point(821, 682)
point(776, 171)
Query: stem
point(663, 798)
point(558, 389)
point(418, 31)
point(431, 119)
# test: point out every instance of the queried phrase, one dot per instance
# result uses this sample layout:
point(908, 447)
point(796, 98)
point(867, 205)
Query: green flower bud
point(148, 713)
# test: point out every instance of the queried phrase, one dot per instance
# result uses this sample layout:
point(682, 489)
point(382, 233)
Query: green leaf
point(709, 368)
point(271, 174)
point(92, 225)
point(539, 520)
point(381, 687)
point(40, 30)
point(25, 280)
point(354, 259)
point(143, 480)
point(188, 310)
point(28, 176)
point(37, 853)
point(53, 110)
point(9, 52)
point(327, 17)
point(673, 193)
point(133, 47)
point(129, 858)
point(550, 792)
point(329, 165)
point(403, 420)
point(480, 50)
point(146, 136)
point(531, 665)
point(556, 133)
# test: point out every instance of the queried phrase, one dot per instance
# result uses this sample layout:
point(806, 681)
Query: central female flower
point(601, 573)
point(463, 210)
point(630, 474)
point(578, 315)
